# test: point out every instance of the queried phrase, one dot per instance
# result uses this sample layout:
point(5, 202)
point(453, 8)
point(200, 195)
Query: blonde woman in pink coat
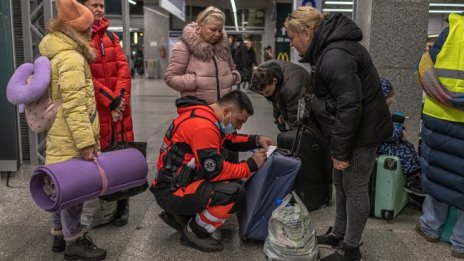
point(201, 63)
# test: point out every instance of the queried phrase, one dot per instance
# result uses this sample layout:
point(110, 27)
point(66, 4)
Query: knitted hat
point(386, 86)
point(74, 14)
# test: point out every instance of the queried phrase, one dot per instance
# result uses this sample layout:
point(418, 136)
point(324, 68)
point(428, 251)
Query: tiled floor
point(25, 228)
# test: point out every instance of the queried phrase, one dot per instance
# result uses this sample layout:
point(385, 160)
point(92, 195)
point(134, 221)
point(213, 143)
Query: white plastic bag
point(97, 212)
point(291, 234)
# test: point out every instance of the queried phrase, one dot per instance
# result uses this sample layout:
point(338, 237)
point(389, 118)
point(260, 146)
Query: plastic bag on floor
point(97, 212)
point(291, 234)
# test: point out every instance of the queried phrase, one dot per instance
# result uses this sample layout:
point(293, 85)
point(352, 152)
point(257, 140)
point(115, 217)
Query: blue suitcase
point(273, 181)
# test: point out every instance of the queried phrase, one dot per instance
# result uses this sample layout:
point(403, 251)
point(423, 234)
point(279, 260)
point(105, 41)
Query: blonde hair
point(211, 11)
point(304, 17)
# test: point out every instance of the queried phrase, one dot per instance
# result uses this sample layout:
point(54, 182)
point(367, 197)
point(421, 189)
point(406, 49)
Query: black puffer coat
point(292, 84)
point(348, 105)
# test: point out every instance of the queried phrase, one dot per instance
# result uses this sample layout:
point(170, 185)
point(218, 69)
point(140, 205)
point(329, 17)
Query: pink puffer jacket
point(192, 70)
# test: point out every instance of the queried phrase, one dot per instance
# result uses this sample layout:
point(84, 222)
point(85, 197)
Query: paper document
point(270, 149)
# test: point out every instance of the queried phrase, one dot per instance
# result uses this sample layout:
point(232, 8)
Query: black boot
point(344, 253)
point(197, 237)
point(83, 249)
point(58, 240)
point(58, 244)
point(328, 239)
point(122, 214)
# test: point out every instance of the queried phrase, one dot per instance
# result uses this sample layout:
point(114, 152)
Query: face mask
point(226, 130)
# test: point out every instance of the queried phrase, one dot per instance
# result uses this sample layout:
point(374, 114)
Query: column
point(395, 33)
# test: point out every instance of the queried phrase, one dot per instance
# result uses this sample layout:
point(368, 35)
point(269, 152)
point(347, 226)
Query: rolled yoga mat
point(75, 181)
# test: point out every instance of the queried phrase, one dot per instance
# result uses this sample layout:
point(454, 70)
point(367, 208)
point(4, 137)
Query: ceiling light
point(445, 11)
point(132, 2)
point(338, 3)
point(337, 10)
point(234, 10)
point(446, 5)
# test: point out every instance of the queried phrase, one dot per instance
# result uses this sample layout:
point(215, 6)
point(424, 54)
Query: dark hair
point(268, 47)
point(237, 99)
point(261, 78)
point(82, 1)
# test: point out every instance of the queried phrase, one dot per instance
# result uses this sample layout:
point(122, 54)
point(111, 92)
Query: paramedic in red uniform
point(197, 189)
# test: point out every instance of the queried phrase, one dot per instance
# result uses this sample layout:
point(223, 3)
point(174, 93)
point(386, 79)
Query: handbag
point(124, 144)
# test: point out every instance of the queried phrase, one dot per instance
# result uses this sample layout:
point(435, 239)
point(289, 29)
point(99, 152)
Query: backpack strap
point(110, 35)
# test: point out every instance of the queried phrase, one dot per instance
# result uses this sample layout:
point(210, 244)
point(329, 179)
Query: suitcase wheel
point(387, 214)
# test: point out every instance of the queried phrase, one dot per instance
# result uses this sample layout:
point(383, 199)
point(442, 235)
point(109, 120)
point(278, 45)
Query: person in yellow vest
point(443, 138)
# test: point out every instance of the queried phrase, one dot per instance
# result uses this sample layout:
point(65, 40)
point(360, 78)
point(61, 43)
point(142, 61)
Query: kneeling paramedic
point(197, 189)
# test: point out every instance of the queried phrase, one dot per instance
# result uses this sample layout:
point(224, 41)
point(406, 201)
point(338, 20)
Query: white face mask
point(229, 129)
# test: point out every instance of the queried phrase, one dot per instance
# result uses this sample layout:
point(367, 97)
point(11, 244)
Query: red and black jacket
point(196, 133)
point(111, 80)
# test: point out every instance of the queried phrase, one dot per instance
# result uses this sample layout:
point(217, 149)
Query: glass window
point(114, 7)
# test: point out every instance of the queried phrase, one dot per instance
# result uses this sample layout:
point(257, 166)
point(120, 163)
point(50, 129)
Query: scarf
point(428, 79)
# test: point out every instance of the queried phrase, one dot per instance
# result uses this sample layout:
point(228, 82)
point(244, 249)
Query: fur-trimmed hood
point(62, 38)
point(202, 49)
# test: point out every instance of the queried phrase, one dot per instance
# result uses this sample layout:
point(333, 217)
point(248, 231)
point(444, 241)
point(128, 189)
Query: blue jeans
point(352, 195)
point(433, 219)
point(68, 221)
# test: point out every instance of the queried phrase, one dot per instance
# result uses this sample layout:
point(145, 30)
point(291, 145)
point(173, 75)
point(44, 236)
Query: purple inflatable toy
point(22, 91)
point(65, 184)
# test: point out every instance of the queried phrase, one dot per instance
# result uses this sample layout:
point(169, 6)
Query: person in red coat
point(112, 83)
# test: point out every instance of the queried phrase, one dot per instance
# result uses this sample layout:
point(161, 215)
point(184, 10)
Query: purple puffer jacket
point(192, 71)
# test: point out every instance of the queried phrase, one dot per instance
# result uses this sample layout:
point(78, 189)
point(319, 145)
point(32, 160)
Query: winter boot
point(328, 239)
point(344, 253)
point(58, 241)
point(175, 221)
point(83, 249)
point(197, 237)
point(122, 214)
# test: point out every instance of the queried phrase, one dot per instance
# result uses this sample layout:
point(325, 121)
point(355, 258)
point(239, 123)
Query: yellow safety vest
point(450, 68)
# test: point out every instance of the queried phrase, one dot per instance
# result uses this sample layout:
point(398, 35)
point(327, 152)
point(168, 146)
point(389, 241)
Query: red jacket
point(111, 80)
point(196, 129)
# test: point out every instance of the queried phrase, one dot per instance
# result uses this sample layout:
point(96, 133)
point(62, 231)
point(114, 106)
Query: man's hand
point(339, 164)
point(265, 142)
point(88, 153)
point(280, 119)
point(121, 106)
point(116, 115)
point(259, 157)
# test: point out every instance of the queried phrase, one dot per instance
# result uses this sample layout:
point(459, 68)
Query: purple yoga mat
point(78, 180)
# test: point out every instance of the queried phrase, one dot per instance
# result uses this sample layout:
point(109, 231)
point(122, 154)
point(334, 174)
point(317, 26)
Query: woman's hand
point(340, 164)
point(237, 77)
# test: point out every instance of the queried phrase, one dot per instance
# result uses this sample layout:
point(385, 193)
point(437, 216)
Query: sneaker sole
point(326, 246)
point(66, 257)
point(186, 242)
point(415, 193)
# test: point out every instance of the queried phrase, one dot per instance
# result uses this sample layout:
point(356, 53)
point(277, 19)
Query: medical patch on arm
point(211, 162)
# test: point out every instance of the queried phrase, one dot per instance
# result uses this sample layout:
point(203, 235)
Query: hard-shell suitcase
point(451, 220)
point(387, 195)
point(314, 181)
point(270, 183)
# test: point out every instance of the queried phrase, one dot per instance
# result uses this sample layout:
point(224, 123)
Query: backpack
point(28, 87)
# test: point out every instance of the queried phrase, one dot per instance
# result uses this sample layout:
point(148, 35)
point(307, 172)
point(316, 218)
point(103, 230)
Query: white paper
point(270, 150)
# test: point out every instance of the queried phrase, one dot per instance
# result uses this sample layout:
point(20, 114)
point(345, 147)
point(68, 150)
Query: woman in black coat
point(351, 111)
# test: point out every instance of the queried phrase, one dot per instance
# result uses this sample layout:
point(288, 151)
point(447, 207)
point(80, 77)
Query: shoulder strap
point(110, 35)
